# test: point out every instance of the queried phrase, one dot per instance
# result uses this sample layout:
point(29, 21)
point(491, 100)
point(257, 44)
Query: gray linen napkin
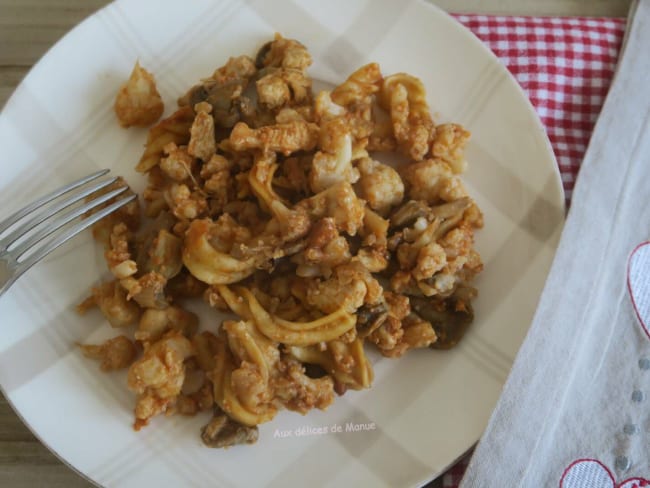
point(575, 411)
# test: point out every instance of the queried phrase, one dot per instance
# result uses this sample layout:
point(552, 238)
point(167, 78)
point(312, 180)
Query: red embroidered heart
point(591, 473)
point(638, 283)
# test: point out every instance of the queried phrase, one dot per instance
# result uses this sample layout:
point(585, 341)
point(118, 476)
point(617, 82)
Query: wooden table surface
point(27, 29)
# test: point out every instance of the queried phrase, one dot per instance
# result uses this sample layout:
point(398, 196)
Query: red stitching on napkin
point(635, 482)
point(586, 460)
point(630, 291)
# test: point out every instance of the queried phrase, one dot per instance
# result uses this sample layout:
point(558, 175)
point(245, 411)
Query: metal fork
point(19, 250)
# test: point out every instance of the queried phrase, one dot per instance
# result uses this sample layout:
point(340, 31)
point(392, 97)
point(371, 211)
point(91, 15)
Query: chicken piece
point(222, 431)
point(116, 353)
point(339, 202)
point(236, 68)
point(112, 300)
point(404, 97)
point(218, 182)
point(178, 163)
point(202, 143)
point(158, 376)
point(359, 86)
point(294, 114)
point(148, 290)
point(448, 145)
point(282, 138)
point(138, 101)
point(380, 185)
point(433, 180)
point(155, 323)
point(285, 53)
point(325, 249)
point(333, 163)
point(118, 257)
point(272, 91)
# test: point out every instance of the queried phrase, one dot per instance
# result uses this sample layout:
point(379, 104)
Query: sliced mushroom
point(450, 319)
point(369, 317)
point(408, 213)
point(222, 431)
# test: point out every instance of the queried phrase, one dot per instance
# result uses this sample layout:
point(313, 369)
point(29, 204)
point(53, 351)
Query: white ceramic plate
point(428, 407)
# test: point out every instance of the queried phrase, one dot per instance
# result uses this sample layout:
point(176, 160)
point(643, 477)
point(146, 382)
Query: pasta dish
point(277, 206)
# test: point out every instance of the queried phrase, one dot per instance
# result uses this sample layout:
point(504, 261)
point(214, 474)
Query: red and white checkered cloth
point(566, 66)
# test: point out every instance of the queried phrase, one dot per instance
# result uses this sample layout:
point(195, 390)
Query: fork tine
point(46, 213)
point(47, 198)
point(18, 251)
point(69, 234)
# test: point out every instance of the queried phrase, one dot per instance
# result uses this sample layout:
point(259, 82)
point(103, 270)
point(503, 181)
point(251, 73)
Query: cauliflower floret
point(272, 91)
point(184, 203)
point(154, 323)
point(118, 257)
point(112, 300)
point(218, 182)
point(448, 145)
point(433, 180)
point(297, 391)
point(284, 138)
point(138, 101)
point(350, 287)
point(431, 259)
point(158, 376)
point(148, 290)
point(380, 185)
point(325, 108)
point(236, 68)
point(129, 214)
point(283, 87)
point(333, 163)
point(339, 202)
point(115, 353)
point(177, 164)
point(325, 249)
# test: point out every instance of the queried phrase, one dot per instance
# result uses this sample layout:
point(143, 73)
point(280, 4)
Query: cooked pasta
point(271, 202)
